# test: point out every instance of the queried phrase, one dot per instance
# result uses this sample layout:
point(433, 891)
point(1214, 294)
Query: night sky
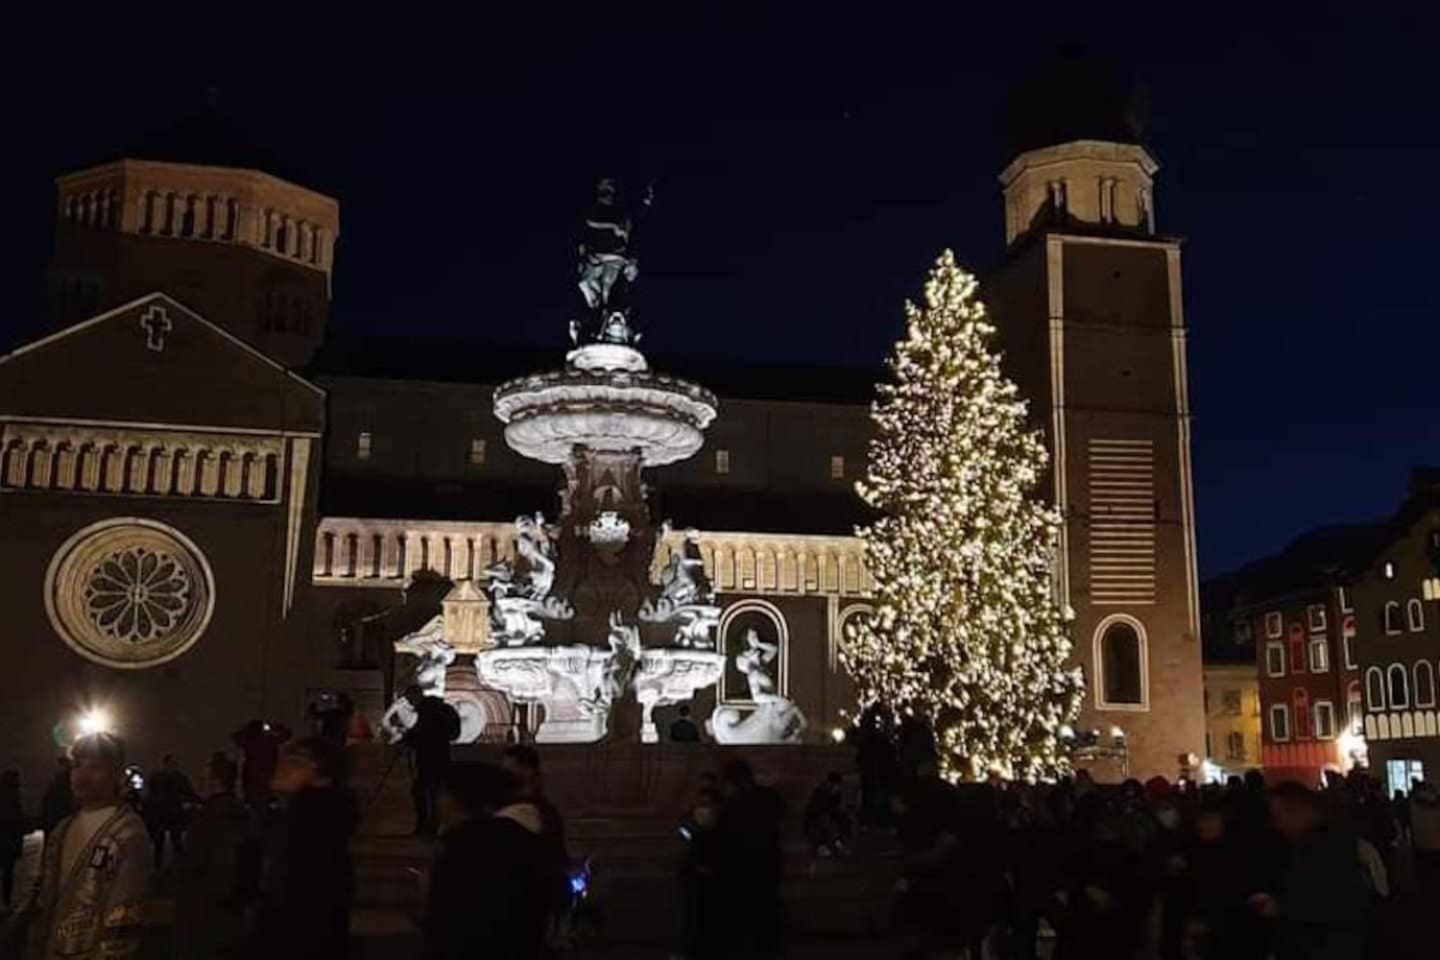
point(808, 172)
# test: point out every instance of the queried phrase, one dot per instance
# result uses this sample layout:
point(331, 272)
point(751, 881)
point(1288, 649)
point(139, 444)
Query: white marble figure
point(620, 666)
point(519, 604)
point(398, 719)
point(687, 597)
point(752, 661)
point(774, 719)
point(435, 655)
point(532, 544)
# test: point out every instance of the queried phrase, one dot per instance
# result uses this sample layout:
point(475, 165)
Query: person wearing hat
point(95, 871)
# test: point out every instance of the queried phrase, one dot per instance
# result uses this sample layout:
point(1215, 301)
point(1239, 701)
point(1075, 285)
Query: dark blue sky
point(809, 170)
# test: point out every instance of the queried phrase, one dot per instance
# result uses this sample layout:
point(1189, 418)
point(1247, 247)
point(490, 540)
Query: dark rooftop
point(1077, 94)
point(207, 137)
point(728, 510)
point(466, 361)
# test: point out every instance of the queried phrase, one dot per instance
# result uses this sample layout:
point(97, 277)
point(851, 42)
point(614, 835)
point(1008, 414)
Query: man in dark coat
point(58, 802)
point(308, 881)
point(218, 870)
point(436, 727)
point(167, 807)
point(489, 893)
point(749, 841)
point(1321, 903)
point(259, 742)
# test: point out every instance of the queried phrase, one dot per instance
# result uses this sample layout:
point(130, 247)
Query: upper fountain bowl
point(611, 403)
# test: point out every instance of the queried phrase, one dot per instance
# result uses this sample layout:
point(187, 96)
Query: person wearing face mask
point(698, 874)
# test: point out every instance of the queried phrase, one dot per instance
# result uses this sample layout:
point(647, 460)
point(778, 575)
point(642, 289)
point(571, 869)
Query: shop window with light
point(1315, 613)
point(1297, 649)
point(837, 468)
point(1347, 636)
point(1279, 722)
point(1403, 774)
point(1300, 699)
point(1275, 658)
point(362, 445)
point(1392, 618)
point(1415, 615)
point(1424, 684)
point(722, 462)
point(1324, 720)
point(1274, 626)
point(477, 452)
point(1398, 686)
point(1374, 689)
point(1319, 655)
point(1355, 708)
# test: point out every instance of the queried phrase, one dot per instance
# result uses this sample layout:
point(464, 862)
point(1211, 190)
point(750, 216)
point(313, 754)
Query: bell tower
point(1088, 304)
point(1087, 184)
point(202, 215)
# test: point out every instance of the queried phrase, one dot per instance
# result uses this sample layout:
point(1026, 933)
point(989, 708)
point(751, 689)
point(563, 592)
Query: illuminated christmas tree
point(967, 633)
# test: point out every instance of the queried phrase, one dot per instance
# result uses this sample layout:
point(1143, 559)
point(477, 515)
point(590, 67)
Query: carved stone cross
point(156, 323)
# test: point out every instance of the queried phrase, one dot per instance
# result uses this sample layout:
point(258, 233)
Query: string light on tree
point(967, 633)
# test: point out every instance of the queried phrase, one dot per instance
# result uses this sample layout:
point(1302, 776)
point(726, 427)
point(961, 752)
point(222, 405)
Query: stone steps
point(636, 893)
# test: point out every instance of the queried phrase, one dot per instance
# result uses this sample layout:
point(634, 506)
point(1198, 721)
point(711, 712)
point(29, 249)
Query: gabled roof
point(155, 361)
point(167, 300)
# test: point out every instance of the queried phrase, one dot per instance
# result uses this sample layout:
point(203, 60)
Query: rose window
point(129, 592)
point(137, 594)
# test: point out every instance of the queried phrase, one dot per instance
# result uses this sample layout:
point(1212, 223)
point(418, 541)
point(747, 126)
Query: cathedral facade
point(208, 522)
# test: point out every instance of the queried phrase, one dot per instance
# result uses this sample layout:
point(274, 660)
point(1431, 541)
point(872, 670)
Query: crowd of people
point(263, 872)
point(1160, 870)
point(257, 857)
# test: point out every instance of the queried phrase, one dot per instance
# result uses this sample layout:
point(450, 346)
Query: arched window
point(1424, 684)
point(1300, 698)
point(1120, 660)
point(1399, 679)
point(1354, 708)
point(1374, 689)
point(1415, 615)
point(1392, 617)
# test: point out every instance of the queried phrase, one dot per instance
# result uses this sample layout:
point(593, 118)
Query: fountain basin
point(548, 415)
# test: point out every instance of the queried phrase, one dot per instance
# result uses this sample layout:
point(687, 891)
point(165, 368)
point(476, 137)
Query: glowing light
point(967, 632)
point(1353, 749)
point(838, 735)
point(95, 720)
point(1117, 733)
